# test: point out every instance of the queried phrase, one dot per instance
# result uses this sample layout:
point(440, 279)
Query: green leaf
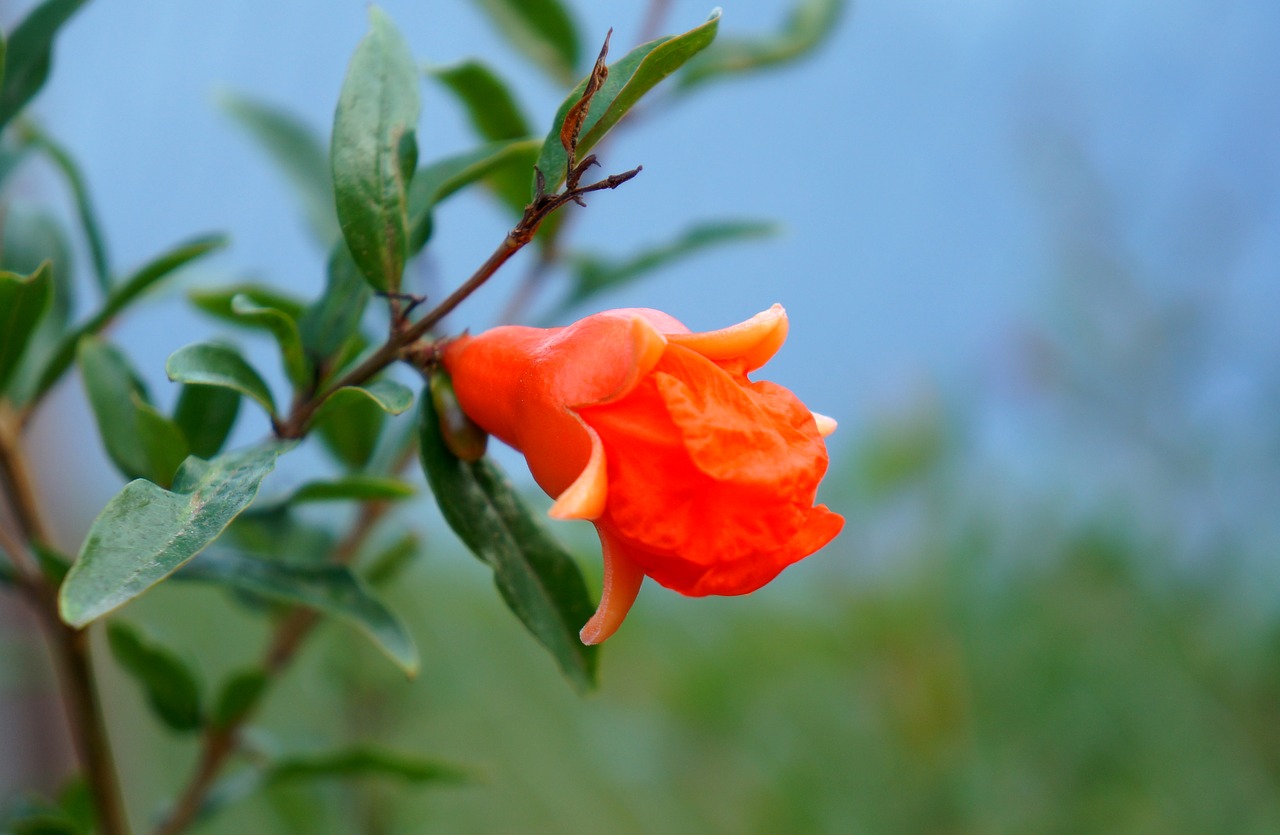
point(299, 152)
point(354, 487)
point(216, 302)
point(32, 236)
point(285, 330)
point(364, 761)
point(374, 151)
point(145, 532)
point(333, 321)
point(121, 295)
point(140, 441)
point(7, 575)
point(638, 72)
point(593, 274)
point(239, 695)
point(206, 415)
point(331, 589)
point(810, 23)
point(437, 181)
point(541, 29)
point(538, 580)
point(350, 428)
point(53, 562)
point(388, 395)
point(29, 54)
point(351, 420)
point(215, 364)
point(24, 300)
point(170, 685)
point(62, 160)
point(388, 562)
point(272, 530)
point(76, 801)
point(492, 109)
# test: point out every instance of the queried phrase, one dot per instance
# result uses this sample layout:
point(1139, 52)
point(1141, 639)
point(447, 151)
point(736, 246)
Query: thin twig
point(16, 479)
point(653, 19)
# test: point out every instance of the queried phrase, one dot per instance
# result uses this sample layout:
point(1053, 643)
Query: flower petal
point(585, 497)
point(601, 358)
point(622, 581)
point(752, 342)
point(826, 425)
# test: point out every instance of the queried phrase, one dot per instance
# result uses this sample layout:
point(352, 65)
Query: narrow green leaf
point(333, 321)
point(145, 532)
point(437, 181)
point(374, 151)
point(285, 330)
point(365, 761)
point(216, 301)
point(490, 105)
point(7, 575)
point(239, 695)
point(353, 487)
point(76, 801)
point(299, 152)
point(541, 29)
point(121, 295)
point(62, 160)
point(170, 684)
point(53, 562)
point(638, 72)
point(215, 364)
point(140, 441)
point(29, 54)
point(592, 275)
point(206, 415)
point(331, 589)
point(385, 565)
point(24, 300)
point(809, 25)
point(537, 579)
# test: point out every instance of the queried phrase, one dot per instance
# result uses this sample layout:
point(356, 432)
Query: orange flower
point(692, 474)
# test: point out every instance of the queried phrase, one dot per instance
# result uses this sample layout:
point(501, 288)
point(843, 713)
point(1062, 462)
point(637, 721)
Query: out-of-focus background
point(1030, 254)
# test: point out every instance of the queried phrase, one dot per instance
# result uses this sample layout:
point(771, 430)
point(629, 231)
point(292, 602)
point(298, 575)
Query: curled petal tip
point(826, 425)
point(585, 497)
point(622, 580)
point(753, 342)
point(649, 343)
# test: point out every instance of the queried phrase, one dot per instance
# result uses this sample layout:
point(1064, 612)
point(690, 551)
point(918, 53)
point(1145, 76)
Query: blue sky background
point(931, 165)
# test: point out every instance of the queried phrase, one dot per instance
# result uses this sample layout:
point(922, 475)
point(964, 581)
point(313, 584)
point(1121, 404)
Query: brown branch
point(16, 480)
point(88, 725)
point(397, 345)
point(69, 646)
